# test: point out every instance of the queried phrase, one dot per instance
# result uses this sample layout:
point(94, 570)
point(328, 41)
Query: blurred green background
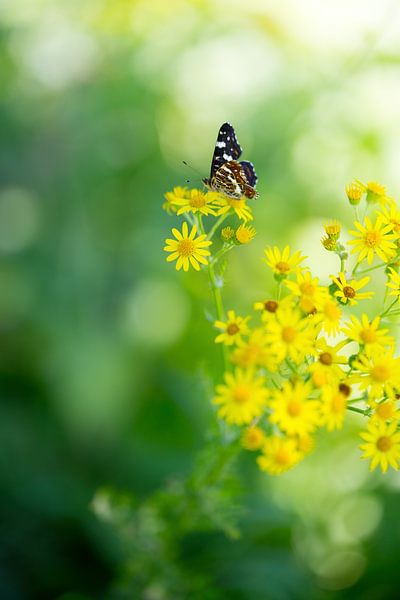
point(105, 346)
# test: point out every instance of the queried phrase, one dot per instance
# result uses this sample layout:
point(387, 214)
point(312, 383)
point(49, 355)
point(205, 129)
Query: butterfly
point(228, 176)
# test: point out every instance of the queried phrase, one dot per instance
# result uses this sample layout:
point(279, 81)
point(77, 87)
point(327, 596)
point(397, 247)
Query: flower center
point(338, 402)
point(241, 394)
point(282, 267)
point(282, 457)
point(345, 389)
point(349, 292)
point(307, 288)
point(372, 238)
point(326, 358)
point(294, 408)
point(271, 306)
point(186, 247)
point(368, 336)
point(380, 373)
point(385, 410)
point(384, 443)
point(197, 201)
point(289, 334)
point(232, 329)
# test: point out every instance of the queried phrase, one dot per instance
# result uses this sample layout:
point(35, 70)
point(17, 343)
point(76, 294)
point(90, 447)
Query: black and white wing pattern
point(249, 172)
point(226, 148)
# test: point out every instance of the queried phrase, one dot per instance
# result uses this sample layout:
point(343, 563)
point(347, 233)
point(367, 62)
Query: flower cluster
point(303, 361)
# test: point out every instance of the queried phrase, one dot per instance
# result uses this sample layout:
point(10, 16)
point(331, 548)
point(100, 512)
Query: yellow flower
point(178, 193)
point(330, 316)
point(379, 371)
point(244, 234)
point(269, 307)
point(382, 445)
point(307, 289)
point(187, 249)
point(329, 243)
point(242, 398)
point(373, 239)
point(375, 192)
point(332, 229)
point(290, 335)
point(282, 263)
point(292, 411)
point(279, 454)
point(240, 207)
point(391, 216)
point(232, 329)
point(227, 233)
point(348, 290)
point(196, 201)
point(253, 438)
point(326, 369)
point(386, 411)
point(255, 352)
point(355, 191)
point(305, 444)
point(366, 332)
point(333, 407)
point(394, 283)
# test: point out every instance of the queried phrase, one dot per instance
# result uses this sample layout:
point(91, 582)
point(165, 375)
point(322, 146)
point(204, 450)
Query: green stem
point(220, 253)
point(366, 412)
point(216, 225)
point(372, 269)
point(388, 308)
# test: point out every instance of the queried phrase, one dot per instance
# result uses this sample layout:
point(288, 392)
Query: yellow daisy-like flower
point(279, 454)
point(292, 411)
point(355, 191)
point(329, 316)
point(382, 445)
point(328, 243)
point(290, 335)
point(394, 283)
point(367, 333)
point(348, 291)
point(242, 398)
point(269, 307)
point(308, 291)
point(373, 239)
point(333, 407)
point(245, 233)
point(232, 330)
point(326, 370)
point(240, 207)
point(253, 438)
point(391, 216)
point(282, 263)
point(187, 248)
point(332, 229)
point(386, 411)
point(256, 352)
point(227, 234)
point(177, 194)
point(196, 201)
point(376, 192)
point(379, 371)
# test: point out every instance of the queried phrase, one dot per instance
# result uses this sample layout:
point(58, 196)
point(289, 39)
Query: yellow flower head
point(375, 192)
point(290, 335)
point(279, 454)
point(333, 407)
point(332, 230)
point(391, 216)
point(232, 330)
point(177, 194)
point(253, 438)
point(382, 445)
point(308, 291)
point(196, 201)
point(240, 207)
point(367, 333)
point(242, 398)
point(328, 243)
point(373, 239)
point(187, 249)
point(330, 315)
point(348, 291)
point(355, 191)
point(227, 233)
point(245, 233)
point(256, 352)
point(292, 411)
point(386, 411)
point(269, 307)
point(282, 263)
point(379, 372)
point(326, 369)
point(394, 283)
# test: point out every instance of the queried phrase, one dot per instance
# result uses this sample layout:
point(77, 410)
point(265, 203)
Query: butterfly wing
point(249, 172)
point(226, 148)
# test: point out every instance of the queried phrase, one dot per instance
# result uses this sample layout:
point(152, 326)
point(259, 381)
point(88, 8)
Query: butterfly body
point(228, 176)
